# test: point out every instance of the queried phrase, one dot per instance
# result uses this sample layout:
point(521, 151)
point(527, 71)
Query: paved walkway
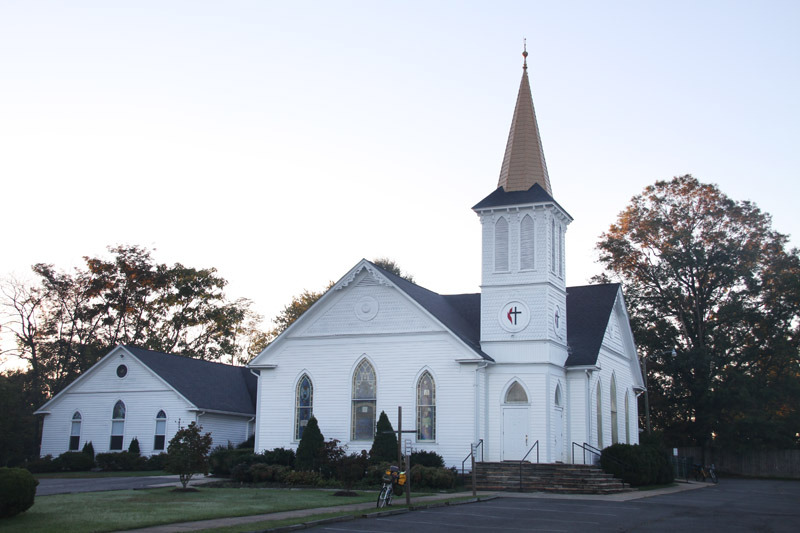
point(301, 513)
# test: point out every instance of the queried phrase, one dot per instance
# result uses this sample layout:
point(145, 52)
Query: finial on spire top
point(524, 53)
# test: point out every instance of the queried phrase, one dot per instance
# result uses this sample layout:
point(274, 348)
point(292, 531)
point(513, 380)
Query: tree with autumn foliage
point(709, 276)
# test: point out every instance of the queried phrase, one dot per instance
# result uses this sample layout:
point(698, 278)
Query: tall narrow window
point(304, 403)
point(161, 431)
point(627, 420)
point(558, 395)
point(599, 417)
point(526, 244)
point(426, 408)
point(501, 245)
point(614, 427)
point(553, 245)
point(364, 395)
point(516, 394)
point(117, 425)
point(561, 261)
point(75, 432)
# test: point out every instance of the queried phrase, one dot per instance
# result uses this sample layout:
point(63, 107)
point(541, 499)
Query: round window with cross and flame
point(514, 316)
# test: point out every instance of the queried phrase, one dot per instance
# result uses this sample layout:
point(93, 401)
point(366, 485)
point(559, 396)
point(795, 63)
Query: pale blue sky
point(282, 142)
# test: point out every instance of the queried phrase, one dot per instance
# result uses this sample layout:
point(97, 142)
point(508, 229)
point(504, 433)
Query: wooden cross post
point(400, 432)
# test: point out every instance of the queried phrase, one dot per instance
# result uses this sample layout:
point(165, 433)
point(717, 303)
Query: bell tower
point(523, 289)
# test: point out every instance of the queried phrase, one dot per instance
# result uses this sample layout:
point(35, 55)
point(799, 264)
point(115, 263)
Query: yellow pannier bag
point(401, 479)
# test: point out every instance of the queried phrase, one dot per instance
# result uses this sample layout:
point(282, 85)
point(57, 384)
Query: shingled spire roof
point(523, 163)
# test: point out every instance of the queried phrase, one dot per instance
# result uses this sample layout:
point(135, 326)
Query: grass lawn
point(90, 475)
point(128, 509)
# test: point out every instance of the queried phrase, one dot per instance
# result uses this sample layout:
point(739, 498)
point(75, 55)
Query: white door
point(515, 433)
point(558, 436)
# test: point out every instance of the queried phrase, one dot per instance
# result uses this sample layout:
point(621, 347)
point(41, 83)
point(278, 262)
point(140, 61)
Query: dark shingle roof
point(588, 310)
point(500, 198)
point(459, 313)
point(212, 386)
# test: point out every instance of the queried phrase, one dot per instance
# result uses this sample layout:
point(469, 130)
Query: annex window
point(304, 403)
point(599, 400)
point(426, 408)
point(75, 432)
point(159, 440)
point(501, 245)
point(516, 394)
point(117, 425)
point(364, 395)
point(527, 255)
point(627, 420)
point(614, 427)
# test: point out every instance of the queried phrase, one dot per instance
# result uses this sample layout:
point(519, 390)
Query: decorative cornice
point(379, 279)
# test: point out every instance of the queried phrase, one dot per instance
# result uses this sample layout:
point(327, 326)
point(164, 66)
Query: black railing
point(535, 445)
point(479, 445)
point(586, 448)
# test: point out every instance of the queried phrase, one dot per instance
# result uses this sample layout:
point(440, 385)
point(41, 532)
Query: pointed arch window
point(553, 245)
point(426, 407)
point(304, 404)
point(516, 394)
point(557, 399)
point(363, 403)
point(527, 252)
point(117, 426)
point(501, 245)
point(614, 424)
point(160, 437)
point(75, 432)
point(599, 401)
point(627, 420)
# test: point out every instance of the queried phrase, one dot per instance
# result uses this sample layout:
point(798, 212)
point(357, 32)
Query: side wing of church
point(526, 363)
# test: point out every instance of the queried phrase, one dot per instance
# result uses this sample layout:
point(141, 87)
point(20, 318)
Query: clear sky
point(281, 142)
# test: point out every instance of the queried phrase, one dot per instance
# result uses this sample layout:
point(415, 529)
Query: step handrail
point(479, 445)
point(535, 445)
point(599, 453)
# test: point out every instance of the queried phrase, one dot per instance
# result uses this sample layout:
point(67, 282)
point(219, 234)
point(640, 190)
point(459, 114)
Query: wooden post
point(474, 476)
point(400, 461)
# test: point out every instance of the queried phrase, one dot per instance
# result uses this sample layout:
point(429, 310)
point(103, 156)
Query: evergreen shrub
point(88, 449)
point(156, 462)
point(261, 473)
point(637, 465)
point(305, 478)
point(249, 443)
point(432, 477)
point(279, 456)
point(350, 469)
point(17, 491)
point(311, 449)
point(120, 461)
point(73, 462)
point(223, 459)
point(384, 447)
point(133, 447)
point(41, 465)
point(427, 459)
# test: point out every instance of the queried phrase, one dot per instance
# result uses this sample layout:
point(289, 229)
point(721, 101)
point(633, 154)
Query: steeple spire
point(523, 163)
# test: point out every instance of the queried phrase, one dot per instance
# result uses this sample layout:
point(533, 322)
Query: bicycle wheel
point(382, 497)
point(714, 477)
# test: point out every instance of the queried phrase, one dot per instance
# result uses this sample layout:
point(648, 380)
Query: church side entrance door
point(515, 433)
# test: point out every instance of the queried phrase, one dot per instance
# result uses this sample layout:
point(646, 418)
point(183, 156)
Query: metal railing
point(586, 447)
point(479, 445)
point(535, 445)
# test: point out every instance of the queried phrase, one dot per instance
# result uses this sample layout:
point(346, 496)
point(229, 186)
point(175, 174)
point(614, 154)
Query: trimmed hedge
point(427, 459)
point(222, 459)
point(17, 491)
point(114, 462)
point(637, 465)
point(73, 462)
point(432, 477)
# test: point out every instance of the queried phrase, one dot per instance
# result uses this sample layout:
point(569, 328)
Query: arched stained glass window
point(527, 252)
point(516, 394)
point(75, 432)
point(117, 425)
point(160, 437)
point(614, 426)
point(426, 408)
point(364, 396)
point(599, 401)
point(501, 245)
point(304, 403)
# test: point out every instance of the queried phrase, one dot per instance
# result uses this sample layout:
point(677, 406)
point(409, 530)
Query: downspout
point(476, 435)
point(255, 418)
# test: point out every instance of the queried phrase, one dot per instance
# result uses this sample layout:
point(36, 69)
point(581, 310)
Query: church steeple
point(523, 163)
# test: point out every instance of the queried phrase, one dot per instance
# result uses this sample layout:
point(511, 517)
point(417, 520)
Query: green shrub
point(304, 478)
point(280, 456)
point(241, 473)
point(375, 472)
point(432, 477)
point(350, 469)
point(384, 447)
point(332, 455)
point(427, 459)
point(17, 491)
point(636, 465)
point(133, 447)
point(260, 473)
point(188, 452)
point(88, 449)
point(120, 461)
point(156, 462)
point(311, 449)
point(249, 443)
point(74, 462)
point(222, 460)
point(41, 465)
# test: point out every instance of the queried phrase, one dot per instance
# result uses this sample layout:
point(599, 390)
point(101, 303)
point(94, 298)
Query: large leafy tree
point(709, 276)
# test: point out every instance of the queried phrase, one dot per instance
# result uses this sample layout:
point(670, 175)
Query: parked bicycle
point(391, 477)
point(701, 473)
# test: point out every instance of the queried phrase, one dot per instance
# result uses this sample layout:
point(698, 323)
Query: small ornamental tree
point(311, 449)
point(88, 449)
point(134, 447)
point(384, 447)
point(187, 453)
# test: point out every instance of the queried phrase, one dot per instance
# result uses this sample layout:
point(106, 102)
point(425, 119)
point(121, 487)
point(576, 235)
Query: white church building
point(527, 362)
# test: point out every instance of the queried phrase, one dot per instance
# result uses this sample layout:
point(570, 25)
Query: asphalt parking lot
point(733, 505)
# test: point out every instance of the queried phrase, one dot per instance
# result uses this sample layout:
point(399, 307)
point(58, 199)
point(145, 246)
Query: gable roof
point(502, 198)
point(588, 311)
point(208, 385)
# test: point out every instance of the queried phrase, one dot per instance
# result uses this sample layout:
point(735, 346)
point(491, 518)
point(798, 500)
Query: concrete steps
point(557, 477)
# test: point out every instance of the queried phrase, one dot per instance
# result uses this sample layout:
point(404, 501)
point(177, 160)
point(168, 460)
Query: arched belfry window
point(553, 245)
point(599, 401)
point(364, 396)
point(527, 252)
point(75, 432)
point(614, 428)
point(304, 404)
point(557, 399)
point(627, 420)
point(426, 407)
point(501, 245)
point(160, 437)
point(516, 394)
point(117, 425)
